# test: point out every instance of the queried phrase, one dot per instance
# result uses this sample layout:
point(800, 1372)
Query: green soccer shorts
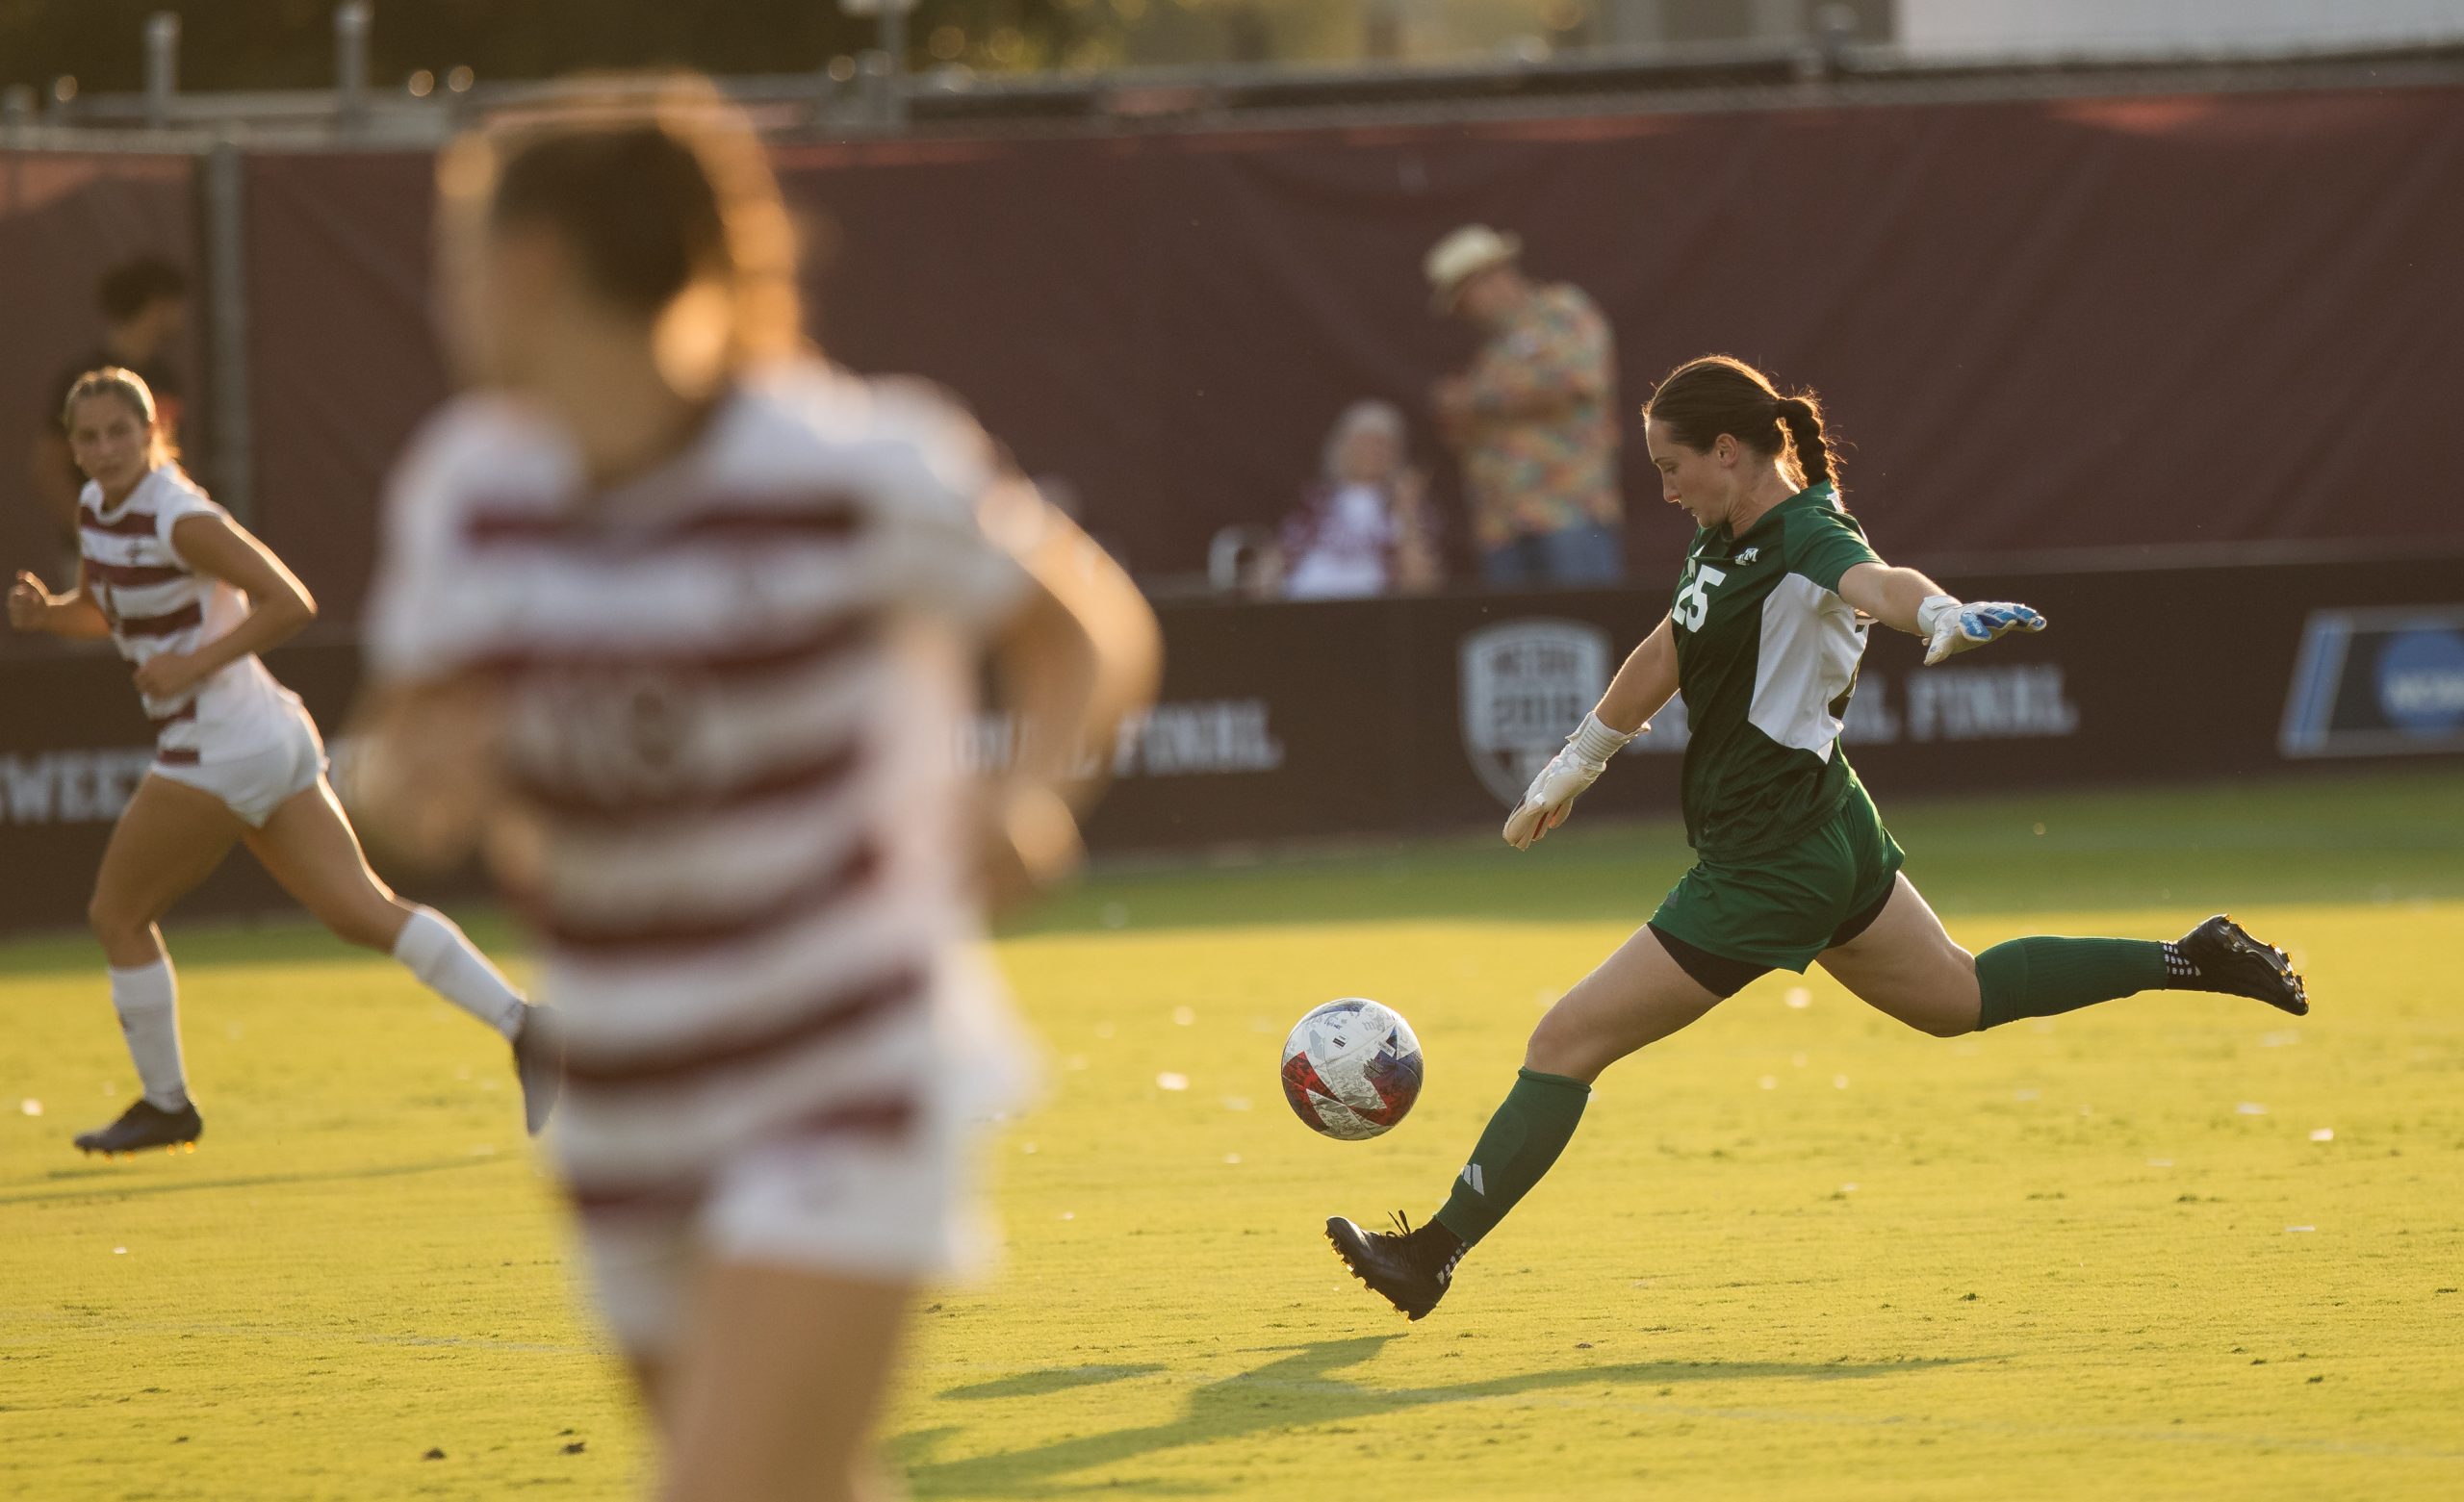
point(1778, 909)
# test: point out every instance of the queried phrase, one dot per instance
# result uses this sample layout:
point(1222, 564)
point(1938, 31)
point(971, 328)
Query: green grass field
point(1796, 1251)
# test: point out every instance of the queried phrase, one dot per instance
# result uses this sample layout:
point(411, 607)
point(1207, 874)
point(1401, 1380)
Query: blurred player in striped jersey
point(189, 597)
point(682, 624)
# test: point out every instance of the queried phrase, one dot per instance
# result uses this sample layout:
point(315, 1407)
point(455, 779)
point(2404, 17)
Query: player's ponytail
point(1718, 395)
point(660, 192)
point(1802, 417)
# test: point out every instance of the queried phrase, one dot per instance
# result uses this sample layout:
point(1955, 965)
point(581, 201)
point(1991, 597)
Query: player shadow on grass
point(118, 1181)
point(1051, 1380)
point(1295, 1391)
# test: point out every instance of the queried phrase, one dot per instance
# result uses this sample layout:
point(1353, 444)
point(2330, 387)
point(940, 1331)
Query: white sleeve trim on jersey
point(960, 520)
point(174, 498)
point(410, 622)
point(1808, 657)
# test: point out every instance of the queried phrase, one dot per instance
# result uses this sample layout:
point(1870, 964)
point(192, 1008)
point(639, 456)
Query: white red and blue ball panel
point(1352, 1069)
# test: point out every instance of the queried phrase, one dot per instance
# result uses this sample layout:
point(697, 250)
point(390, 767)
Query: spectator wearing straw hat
point(1530, 419)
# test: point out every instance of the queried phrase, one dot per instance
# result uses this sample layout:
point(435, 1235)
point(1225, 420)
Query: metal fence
point(871, 92)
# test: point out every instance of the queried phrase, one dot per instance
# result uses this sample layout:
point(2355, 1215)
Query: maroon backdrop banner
point(1429, 714)
point(2037, 324)
point(67, 217)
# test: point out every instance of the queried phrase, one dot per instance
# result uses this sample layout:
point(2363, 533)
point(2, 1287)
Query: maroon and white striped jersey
point(156, 603)
point(735, 693)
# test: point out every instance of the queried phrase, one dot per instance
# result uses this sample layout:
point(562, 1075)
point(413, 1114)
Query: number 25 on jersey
point(1694, 601)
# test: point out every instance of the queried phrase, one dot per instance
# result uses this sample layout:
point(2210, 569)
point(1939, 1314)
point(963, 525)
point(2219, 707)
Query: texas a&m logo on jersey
point(1527, 684)
point(609, 736)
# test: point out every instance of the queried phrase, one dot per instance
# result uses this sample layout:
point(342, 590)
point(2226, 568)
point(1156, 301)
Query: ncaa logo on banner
point(1527, 684)
point(2382, 681)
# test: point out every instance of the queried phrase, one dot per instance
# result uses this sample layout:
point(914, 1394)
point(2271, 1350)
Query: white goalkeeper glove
point(1553, 793)
point(1950, 628)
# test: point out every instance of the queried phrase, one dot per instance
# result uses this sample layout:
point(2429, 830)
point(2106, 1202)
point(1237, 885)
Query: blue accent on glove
point(1981, 623)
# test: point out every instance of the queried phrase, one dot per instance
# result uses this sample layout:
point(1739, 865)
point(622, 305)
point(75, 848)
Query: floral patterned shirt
point(1526, 472)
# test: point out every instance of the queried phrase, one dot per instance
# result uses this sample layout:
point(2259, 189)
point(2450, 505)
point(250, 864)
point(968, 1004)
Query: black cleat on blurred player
point(145, 1125)
point(1410, 1268)
point(2224, 957)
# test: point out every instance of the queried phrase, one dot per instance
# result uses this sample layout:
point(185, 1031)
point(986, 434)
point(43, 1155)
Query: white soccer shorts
point(255, 782)
point(895, 1208)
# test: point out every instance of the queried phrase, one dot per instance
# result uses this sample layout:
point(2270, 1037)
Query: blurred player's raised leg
point(772, 1396)
point(169, 838)
point(309, 846)
point(1637, 996)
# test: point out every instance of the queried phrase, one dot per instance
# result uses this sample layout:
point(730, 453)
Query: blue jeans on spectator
point(1591, 554)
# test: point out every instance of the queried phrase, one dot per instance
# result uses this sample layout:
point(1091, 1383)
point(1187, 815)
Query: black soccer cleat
point(145, 1125)
point(1411, 1269)
point(539, 1063)
point(2228, 959)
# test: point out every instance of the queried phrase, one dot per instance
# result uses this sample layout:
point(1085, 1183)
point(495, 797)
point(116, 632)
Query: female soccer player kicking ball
point(189, 597)
point(683, 623)
point(1793, 865)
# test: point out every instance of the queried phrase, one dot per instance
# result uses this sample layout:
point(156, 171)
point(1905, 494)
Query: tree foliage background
point(235, 44)
point(247, 44)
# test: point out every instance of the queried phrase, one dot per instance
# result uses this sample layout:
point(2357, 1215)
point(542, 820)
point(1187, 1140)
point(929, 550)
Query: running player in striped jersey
point(683, 623)
point(1795, 866)
point(191, 598)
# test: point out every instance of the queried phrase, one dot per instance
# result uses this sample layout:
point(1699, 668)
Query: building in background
point(1457, 31)
point(2086, 29)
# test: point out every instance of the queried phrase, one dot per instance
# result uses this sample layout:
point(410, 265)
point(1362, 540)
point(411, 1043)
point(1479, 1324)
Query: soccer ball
point(1352, 1069)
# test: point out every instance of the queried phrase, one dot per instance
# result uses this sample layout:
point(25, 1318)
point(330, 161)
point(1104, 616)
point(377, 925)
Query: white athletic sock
point(148, 1001)
point(435, 950)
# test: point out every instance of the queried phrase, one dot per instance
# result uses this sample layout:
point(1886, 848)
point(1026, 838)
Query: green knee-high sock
point(1521, 1142)
point(2041, 977)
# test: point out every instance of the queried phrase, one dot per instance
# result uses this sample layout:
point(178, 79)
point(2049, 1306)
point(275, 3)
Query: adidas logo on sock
point(1472, 1177)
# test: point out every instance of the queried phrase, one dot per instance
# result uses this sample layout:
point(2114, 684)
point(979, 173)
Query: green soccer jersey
point(1766, 661)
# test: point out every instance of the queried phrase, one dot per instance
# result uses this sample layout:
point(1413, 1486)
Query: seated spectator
point(1245, 561)
point(1365, 527)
